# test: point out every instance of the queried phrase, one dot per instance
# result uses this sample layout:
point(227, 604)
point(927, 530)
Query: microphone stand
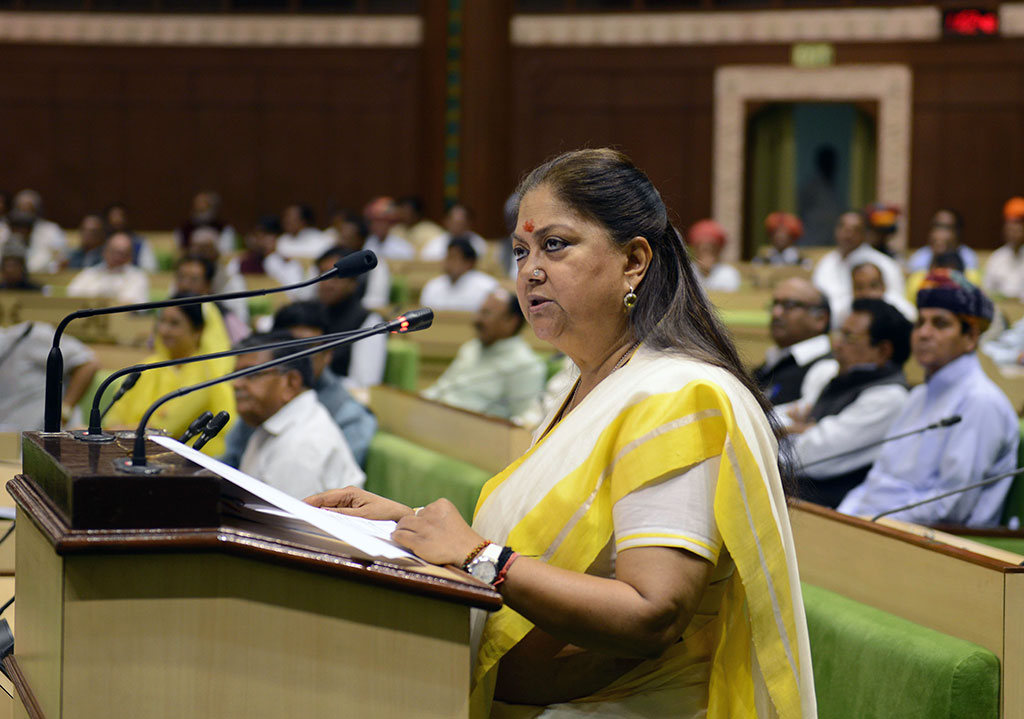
point(944, 422)
point(355, 264)
point(95, 432)
point(136, 464)
point(982, 483)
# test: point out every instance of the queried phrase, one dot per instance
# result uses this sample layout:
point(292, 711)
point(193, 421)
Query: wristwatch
point(485, 565)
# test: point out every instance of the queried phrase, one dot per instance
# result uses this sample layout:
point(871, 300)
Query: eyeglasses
point(790, 305)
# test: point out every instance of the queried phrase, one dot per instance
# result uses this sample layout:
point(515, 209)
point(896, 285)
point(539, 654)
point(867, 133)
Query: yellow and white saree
point(649, 423)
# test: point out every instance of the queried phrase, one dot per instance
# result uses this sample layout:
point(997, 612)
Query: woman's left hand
point(438, 534)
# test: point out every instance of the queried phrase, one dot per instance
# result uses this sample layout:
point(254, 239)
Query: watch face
point(485, 571)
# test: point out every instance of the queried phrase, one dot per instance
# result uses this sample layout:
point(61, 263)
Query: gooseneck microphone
point(95, 432)
point(351, 265)
point(197, 426)
point(983, 483)
point(944, 422)
point(212, 429)
point(409, 322)
point(125, 386)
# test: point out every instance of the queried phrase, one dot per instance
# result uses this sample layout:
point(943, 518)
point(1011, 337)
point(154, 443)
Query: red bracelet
point(504, 570)
point(472, 555)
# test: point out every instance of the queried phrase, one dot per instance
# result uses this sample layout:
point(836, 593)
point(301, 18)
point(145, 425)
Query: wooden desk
point(122, 329)
point(487, 442)
point(957, 587)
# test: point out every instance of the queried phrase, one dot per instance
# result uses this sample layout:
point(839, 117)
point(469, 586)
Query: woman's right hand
point(359, 503)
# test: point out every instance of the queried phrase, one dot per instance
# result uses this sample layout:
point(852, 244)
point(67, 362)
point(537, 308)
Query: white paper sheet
point(369, 536)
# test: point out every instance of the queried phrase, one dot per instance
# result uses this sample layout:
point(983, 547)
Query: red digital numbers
point(970, 22)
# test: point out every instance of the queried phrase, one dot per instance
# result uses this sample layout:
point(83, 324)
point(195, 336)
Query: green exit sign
point(813, 54)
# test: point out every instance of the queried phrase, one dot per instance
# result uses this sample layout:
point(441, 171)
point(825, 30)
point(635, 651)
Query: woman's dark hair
point(193, 313)
point(672, 312)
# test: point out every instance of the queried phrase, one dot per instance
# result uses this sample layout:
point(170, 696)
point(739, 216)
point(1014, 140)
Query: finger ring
point(417, 510)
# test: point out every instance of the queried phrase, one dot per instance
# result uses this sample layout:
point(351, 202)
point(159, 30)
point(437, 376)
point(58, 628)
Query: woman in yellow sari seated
point(641, 545)
point(182, 332)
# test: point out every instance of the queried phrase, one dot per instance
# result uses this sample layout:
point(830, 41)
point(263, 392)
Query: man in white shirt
point(497, 373)
point(47, 246)
point(301, 239)
point(462, 287)
point(800, 364)
point(296, 447)
point(380, 218)
point(1004, 270)
point(413, 226)
point(832, 274)
point(856, 407)
point(116, 277)
point(457, 223)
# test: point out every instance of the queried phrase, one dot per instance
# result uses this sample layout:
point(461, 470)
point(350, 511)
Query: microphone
point(983, 483)
point(95, 432)
point(197, 426)
point(212, 429)
point(351, 265)
point(944, 422)
point(125, 386)
point(409, 322)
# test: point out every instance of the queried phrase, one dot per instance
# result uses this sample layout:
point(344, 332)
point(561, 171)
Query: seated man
point(497, 373)
point(944, 235)
point(356, 422)
point(952, 314)
point(868, 283)
point(462, 287)
point(783, 229)
point(706, 240)
point(1004, 270)
point(116, 277)
point(13, 270)
point(295, 446)
point(800, 364)
point(856, 407)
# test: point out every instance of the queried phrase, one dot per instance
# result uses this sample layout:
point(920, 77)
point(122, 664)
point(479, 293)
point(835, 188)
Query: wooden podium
point(138, 598)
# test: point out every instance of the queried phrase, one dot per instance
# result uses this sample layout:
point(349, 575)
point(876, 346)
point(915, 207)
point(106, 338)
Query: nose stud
point(536, 273)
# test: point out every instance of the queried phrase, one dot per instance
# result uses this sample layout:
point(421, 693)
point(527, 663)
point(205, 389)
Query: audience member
point(301, 239)
point(378, 280)
point(1004, 271)
point(800, 364)
point(13, 272)
point(262, 258)
point(24, 348)
point(880, 223)
point(179, 334)
point(46, 243)
point(91, 235)
point(952, 315)
point(856, 407)
point(832, 274)
point(868, 283)
point(356, 422)
point(496, 373)
point(945, 234)
point(204, 243)
point(115, 277)
point(457, 223)
point(380, 219)
point(361, 364)
point(206, 212)
point(194, 276)
point(461, 287)
point(344, 229)
point(951, 260)
point(413, 226)
point(295, 445)
point(706, 240)
point(784, 229)
point(116, 220)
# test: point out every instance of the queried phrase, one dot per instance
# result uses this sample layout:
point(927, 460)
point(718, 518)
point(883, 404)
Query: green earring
point(630, 299)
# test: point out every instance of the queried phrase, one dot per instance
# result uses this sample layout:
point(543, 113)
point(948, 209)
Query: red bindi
point(528, 225)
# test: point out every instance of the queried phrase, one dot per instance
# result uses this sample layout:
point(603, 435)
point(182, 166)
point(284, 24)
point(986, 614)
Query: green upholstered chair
point(868, 663)
point(402, 367)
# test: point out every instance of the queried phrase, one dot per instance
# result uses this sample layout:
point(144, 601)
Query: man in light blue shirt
point(953, 313)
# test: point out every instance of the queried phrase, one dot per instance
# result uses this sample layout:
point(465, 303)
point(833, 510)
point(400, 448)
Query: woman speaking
point(641, 545)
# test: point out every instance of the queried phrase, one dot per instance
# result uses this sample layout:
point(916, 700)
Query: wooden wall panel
point(151, 126)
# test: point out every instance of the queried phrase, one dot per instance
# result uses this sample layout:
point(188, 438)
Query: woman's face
point(177, 334)
point(572, 277)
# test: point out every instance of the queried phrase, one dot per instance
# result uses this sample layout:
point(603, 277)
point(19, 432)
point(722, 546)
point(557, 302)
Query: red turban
point(784, 219)
point(706, 231)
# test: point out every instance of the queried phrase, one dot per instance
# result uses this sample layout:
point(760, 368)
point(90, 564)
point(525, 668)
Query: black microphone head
point(217, 423)
point(356, 264)
point(950, 420)
point(201, 421)
point(412, 321)
point(130, 381)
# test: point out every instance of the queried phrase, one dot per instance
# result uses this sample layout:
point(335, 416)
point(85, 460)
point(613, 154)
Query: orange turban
point(706, 231)
point(784, 219)
point(1014, 209)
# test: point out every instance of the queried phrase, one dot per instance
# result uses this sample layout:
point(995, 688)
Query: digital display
point(970, 22)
